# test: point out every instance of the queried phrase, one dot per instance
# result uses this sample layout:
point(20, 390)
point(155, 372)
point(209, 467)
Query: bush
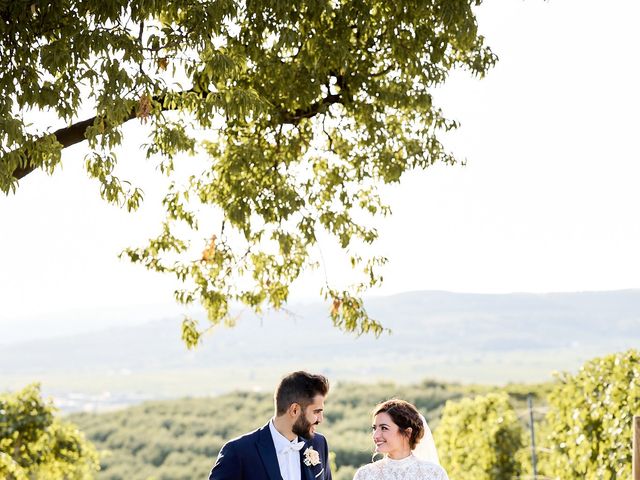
point(34, 443)
point(479, 438)
point(590, 419)
point(344, 473)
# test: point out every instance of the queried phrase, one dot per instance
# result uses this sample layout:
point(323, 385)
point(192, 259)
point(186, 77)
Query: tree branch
point(310, 111)
point(321, 105)
point(66, 136)
point(73, 134)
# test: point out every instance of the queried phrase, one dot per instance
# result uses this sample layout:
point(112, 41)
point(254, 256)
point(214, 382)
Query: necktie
point(295, 446)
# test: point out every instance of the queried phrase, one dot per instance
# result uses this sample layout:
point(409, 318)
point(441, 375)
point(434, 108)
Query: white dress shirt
point(288, 454)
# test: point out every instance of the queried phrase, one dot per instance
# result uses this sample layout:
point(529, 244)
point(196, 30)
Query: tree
point(298, 112)
point(590, 419)
point(480, 438)
point(35, 444)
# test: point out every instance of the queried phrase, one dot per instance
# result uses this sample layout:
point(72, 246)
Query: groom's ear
point(293, 409)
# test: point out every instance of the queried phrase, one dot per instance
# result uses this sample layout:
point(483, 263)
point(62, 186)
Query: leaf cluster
point(585, 432)
point(34, 443)
point(591, 419)
point(479, 437)
point(299, 112)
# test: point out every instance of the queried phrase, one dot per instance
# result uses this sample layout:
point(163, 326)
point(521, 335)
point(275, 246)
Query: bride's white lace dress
point(409, 468)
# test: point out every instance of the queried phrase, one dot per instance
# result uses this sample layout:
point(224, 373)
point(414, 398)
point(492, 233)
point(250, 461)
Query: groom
point(288, 447)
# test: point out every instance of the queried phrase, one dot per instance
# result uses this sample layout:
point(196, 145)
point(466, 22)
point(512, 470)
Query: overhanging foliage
point(300, 111)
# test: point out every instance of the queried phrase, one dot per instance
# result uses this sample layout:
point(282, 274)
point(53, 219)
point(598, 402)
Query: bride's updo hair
point(406, 416)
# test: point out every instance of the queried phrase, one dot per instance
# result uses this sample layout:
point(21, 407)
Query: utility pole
point(636, 448)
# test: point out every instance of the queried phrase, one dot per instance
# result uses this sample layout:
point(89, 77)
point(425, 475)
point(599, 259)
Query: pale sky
point(547, 201)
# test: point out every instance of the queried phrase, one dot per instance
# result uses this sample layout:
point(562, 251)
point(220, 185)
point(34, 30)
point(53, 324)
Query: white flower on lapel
point(311, 457)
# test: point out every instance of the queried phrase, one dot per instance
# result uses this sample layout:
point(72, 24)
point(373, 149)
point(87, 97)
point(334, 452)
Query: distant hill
point(448, 336)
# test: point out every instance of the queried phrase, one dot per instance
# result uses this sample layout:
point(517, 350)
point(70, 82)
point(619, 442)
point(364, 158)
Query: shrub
point(479, 438)
point(34, 443)
point(590, 419)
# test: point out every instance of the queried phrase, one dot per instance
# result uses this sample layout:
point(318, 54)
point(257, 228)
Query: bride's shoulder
point(435, 470)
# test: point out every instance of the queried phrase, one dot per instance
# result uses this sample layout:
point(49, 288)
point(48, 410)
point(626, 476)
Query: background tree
point(590, 419)
point(479, 438)
point(297, 111)
point(35, 444)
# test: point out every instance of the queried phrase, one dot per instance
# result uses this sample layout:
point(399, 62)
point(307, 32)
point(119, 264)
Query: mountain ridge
point(490, 338)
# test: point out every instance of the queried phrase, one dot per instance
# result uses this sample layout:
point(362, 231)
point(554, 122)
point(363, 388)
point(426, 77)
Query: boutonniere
point(311, 457)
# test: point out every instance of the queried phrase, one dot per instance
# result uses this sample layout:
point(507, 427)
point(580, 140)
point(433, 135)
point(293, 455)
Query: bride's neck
point(399, 455)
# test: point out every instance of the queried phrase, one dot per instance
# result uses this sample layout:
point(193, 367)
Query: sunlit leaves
point(36, 444)
point(479, 438)
point(190, 333)
point(295, 113)
point(591, 418)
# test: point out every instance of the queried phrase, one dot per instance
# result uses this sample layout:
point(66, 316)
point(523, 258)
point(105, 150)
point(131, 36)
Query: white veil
point(426, 449)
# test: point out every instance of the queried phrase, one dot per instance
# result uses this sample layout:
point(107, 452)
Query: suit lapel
point(309, 472)
point(306, 473)
point(268, 454)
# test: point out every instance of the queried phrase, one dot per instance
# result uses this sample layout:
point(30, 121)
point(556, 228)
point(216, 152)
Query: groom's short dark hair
point(301, 388)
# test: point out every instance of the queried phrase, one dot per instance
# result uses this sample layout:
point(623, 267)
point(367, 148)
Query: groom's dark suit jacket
point(253, 457)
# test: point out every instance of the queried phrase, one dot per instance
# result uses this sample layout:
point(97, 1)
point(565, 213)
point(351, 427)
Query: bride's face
point(388, 438)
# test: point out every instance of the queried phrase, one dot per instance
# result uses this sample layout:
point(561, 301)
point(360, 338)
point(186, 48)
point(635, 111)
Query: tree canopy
point(36, 444)
point(590, 421)
point(480, 437)
point(297, 113)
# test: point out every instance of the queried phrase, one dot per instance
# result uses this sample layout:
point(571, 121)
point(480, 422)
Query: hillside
point(447, 336)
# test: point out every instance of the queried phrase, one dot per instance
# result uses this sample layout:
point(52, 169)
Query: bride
point(402, 435)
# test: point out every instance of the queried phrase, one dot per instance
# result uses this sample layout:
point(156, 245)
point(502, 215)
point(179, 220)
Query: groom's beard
point(302, 427)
